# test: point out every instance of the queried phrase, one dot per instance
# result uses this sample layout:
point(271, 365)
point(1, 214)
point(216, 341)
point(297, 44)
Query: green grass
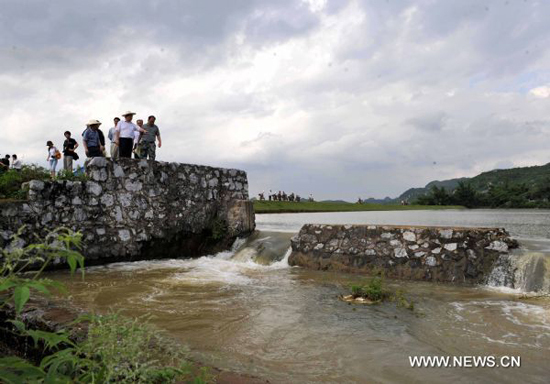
point(292, 207)
point(11, 181)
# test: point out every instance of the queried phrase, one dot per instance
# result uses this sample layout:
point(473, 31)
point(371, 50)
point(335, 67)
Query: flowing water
point(247, 311)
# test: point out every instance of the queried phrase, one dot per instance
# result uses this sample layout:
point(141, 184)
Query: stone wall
point(138, 209)
point(418, 253)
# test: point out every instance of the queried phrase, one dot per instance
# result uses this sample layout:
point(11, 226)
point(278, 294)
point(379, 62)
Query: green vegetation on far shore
point(307, 206)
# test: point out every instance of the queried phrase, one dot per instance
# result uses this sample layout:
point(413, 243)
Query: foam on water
point(521, 273)
point(521, 323)
point(236, 267)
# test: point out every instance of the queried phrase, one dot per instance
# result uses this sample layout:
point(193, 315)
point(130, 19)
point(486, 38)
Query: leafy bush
point(373, 290)
point(15, 286)
point(116, 349)
point(121, 350)
point(71, 176)
point(219, 229)
point(11, 180)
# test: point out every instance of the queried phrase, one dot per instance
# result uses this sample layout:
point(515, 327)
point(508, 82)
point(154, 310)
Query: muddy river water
point(246, 310)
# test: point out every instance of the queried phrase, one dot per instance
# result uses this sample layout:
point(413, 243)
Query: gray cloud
point(432, 122)
point(335, 98)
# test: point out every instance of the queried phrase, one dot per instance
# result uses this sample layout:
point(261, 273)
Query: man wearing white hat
point(125, 133)
point(92, 141)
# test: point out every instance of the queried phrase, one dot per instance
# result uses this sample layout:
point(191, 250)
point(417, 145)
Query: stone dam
point(137, 209)
point(438, 254)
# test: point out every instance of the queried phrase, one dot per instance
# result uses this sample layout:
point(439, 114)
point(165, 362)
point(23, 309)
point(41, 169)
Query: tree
point(466, 195)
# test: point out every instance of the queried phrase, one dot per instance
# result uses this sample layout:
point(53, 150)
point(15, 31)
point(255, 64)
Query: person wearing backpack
point(53, 156)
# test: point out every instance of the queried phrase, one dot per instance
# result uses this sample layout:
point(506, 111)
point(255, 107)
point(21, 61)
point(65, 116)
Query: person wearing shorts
point(52, 158)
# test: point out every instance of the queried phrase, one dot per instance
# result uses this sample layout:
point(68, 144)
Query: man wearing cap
point(92, 141)
point(147, 143)
point(125, 133)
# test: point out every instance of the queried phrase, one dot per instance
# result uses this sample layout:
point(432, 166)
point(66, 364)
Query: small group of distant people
point(280, 196)
point(5, 164)
point(125, 137)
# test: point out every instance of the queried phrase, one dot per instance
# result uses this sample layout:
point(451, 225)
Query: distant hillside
point(526, 187)
point(386, 200)
point(530, 176)
point(413, 193)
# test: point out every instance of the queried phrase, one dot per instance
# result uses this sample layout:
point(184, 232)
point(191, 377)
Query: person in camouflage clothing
point(147, 146)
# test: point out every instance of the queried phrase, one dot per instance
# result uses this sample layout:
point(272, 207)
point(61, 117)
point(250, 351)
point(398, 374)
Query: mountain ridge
point(532, 176)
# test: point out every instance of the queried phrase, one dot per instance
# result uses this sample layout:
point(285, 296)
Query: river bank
point(307, 206)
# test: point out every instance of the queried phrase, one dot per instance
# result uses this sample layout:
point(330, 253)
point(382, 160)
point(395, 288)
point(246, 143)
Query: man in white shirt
point(111, 135)
point(16, 163)
point(137, 138)
point(125, 133)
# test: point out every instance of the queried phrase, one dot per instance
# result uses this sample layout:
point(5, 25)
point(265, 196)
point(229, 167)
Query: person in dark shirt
point(69, 153)
point(5, 163)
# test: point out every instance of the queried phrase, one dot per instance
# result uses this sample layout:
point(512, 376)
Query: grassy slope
point(288, 207)
point(531, 176)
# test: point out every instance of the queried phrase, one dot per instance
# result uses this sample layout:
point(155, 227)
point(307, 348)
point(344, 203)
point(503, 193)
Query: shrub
point(122, 350)
point(373, 290)
point(219, 229)
point(11, 180)
point(71, 176)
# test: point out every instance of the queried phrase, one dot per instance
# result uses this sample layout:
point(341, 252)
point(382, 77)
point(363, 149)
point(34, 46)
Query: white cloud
point(542, 92)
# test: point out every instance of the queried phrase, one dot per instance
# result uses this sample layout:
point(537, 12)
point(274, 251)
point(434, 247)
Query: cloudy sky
point(339, 98)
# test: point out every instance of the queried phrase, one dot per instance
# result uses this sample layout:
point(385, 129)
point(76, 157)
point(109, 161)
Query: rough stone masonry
point(137, 209)
point(418, 253)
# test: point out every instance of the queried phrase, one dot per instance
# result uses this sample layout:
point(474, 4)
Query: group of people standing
point(281, 196)
point(125, 137)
